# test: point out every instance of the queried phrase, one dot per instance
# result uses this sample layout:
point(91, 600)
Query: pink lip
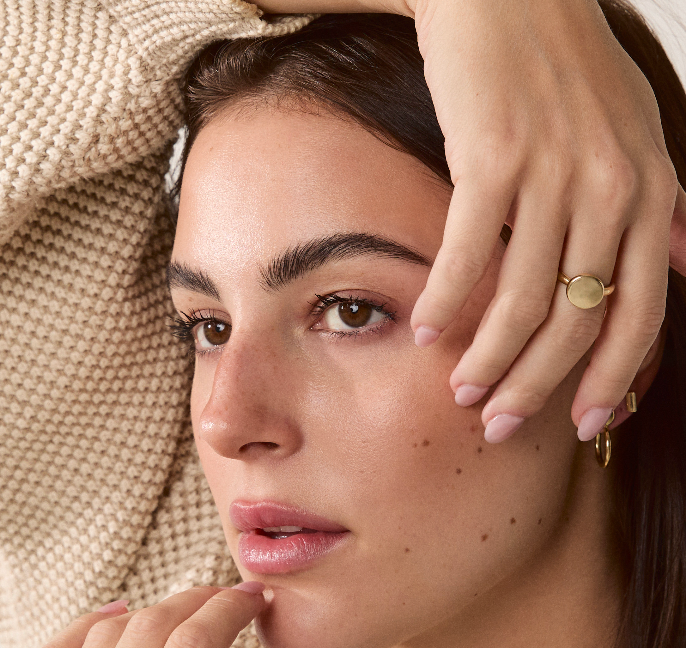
point(264, 555)
point(247, 517)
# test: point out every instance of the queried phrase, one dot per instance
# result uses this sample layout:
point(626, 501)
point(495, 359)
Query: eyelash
point(326, 301)
point(182, 327)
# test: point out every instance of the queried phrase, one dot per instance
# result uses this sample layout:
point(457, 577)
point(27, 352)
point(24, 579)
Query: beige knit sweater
point(102, 495)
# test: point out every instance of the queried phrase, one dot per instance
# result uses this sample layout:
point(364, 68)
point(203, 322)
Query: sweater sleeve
point(103, 494)
point(87, 87)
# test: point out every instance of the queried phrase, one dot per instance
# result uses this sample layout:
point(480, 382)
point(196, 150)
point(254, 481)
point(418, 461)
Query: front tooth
point(284, 529)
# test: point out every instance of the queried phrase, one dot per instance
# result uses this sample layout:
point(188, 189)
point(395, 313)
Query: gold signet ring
point(584, 290)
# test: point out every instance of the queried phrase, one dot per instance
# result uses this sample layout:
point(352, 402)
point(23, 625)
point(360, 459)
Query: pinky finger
point(631, 325)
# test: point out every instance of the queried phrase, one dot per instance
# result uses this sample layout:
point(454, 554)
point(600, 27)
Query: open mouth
point(279, 533)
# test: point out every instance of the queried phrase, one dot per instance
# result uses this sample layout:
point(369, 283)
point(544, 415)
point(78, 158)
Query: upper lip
point(247, 516)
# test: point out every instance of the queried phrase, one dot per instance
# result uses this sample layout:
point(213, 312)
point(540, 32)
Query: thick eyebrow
point(181, 276)
point(306, 257)
point(297, 261)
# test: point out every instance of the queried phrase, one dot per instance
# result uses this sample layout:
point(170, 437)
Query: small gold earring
point(630, 399)
point(607, 442)
point(603, 458)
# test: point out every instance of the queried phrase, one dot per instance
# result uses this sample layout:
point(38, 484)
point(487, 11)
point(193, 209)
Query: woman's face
point(320, 399)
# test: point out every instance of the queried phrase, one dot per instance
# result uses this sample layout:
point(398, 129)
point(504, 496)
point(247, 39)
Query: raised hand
point(552, 128)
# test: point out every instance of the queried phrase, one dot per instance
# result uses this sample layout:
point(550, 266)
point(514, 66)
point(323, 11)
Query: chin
point(297, 620)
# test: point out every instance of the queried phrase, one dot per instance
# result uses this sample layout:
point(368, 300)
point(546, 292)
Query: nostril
point(266, 444)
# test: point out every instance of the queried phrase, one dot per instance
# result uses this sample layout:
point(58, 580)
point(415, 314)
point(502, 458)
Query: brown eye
point(351, 315)
point(212, 333)
point(354, 314)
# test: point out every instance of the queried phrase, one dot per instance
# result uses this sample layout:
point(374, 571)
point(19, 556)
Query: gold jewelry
point(631, 405)
point(584, 290)
point(607, 442)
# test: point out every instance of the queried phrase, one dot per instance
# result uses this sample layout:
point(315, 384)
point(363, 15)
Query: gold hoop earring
point(607, 442)
point(603, 438)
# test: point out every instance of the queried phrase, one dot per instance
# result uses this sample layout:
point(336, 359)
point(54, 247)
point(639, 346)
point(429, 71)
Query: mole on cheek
point(538, 447)
point(540, 520)
point(458, 471)
point(484, 537)
point(425, 442)
point(407, 550)
point(479, 449)
point(512, 521)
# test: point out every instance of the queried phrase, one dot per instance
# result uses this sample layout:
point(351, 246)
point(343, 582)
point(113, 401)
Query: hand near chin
point(552, 128)
point(202, 616)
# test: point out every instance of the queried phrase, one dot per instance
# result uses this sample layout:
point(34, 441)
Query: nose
point(251, 410)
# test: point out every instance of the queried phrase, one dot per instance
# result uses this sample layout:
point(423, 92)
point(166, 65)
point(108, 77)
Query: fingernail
point(424, 336)
point(252, 587)
point(502, 426)
point(114, 606)
point(593, 422)
point(466, 395)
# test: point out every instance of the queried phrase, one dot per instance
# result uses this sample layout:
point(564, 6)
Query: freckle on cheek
point(538, 447)
point(407, 550)
point(458, 471)
point(540, 520)
point(479, 449)
point(425, 442)
point(484, 537)
point(414, 445)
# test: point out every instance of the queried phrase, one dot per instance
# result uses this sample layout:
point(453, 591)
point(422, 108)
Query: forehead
point(257, 184)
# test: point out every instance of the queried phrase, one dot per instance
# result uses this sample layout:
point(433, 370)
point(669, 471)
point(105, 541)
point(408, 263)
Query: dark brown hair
point(367, 67)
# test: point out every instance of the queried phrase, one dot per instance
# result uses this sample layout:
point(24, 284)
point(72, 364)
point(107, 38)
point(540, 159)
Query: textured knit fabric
point(102, 495)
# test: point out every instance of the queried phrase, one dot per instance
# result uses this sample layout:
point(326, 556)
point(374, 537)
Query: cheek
point(442, 515)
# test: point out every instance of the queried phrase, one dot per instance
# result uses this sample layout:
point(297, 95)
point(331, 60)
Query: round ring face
point(585, 291)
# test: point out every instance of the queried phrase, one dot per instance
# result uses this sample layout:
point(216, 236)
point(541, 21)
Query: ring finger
point(560, 342)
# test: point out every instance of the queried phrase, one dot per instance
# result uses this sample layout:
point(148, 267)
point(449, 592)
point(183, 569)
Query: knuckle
point(103, 632)
point(523, 311)
point(615, 180)
point(500, 157)
point(661, 177)
point(147, 623)
point(581, 331)
point(463, 266)
point(531, 396)
point(646, 321)
point(190, 634)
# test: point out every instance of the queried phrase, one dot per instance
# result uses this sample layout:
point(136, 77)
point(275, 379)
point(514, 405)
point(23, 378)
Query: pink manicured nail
point(252, 587)
point(593, 422)
point(424, 336)
point(114, 606)
point(502, 426)
point(466, 395)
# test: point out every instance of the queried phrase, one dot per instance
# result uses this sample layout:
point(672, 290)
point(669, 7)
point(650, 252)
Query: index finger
point(476, 216)
point(201, 616)
point(217, 623)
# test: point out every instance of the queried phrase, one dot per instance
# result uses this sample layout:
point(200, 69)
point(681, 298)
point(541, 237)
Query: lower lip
point(261, 554)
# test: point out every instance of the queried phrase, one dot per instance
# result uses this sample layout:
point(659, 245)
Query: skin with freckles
point(453, 542)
